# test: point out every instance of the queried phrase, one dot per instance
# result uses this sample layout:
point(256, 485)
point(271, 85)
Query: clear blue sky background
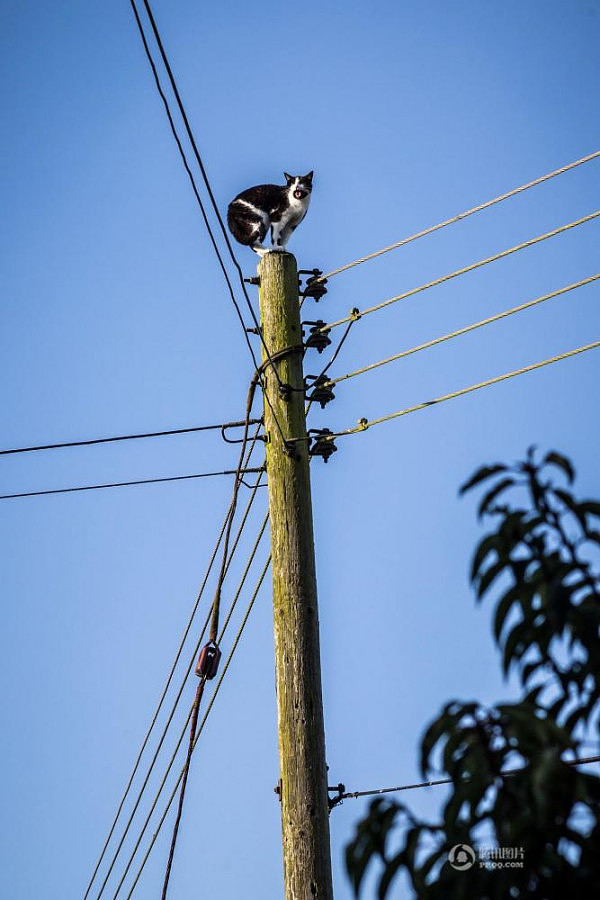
point(115, 319)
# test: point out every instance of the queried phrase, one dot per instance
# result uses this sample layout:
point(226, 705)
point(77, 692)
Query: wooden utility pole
point(303, 784)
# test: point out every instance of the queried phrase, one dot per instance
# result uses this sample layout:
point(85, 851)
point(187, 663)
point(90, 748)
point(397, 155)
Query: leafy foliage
point(509, 764)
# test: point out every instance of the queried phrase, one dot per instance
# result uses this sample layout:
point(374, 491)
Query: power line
point(199, 732)
point(190, 175)
point(465, 269)
point(117, 484)
point(202, 168)
point(463, 215)
point(207, 184)
point(365, 423)
point(214, 637)
point(224, 426)
point(176, 703)
point(353, 795)
point(461, 331)
point(174, 665)
point(203, 172)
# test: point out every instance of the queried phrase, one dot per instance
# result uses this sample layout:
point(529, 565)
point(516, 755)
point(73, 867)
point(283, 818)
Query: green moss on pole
point(304, 806)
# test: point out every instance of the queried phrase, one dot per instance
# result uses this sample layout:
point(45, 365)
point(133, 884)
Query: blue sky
point(115, 319)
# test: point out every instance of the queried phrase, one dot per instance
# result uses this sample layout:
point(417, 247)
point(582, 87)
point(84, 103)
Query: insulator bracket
point(322, 444)
point(318, 336)
point(315, 284)
point(321, 391)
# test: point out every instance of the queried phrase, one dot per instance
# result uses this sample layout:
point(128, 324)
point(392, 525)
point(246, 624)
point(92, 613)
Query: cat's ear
point(309, 177)
point(289, 178)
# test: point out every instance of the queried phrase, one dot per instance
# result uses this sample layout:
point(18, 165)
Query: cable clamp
point(224, 428)
point(363, 424)
point(321, 390)
point(322, 444)
point(255, 280)
point(355, 314)
point(318, 336)
point(208, 661)
point(314, 286)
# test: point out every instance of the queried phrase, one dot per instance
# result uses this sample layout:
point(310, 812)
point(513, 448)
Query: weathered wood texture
point(304, 810)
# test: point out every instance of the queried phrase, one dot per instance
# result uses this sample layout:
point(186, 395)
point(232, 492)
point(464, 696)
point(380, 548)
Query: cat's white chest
point(296, 210)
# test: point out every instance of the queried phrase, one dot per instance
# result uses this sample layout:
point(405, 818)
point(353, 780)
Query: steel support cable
point(189, 716)
point(353, 795)
point(463, 271)
point(119, 484)
point(168, 683)
point(365, 423)
point(196, 739)
point(224, 426)
point(463, 215)
point(461, 331)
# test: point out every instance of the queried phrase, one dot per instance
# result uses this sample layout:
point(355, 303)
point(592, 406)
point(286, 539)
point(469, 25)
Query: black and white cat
point(278, 207)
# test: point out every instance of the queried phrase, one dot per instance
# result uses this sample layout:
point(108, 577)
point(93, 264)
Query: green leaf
point(490, 574)
point(481, 475)
point(557, 459)
point(489, 543)
point(592, 507)
point(504, 606)
point(491, 495)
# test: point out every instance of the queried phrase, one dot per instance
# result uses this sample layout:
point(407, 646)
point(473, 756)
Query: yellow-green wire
point(366, 423)
point(463, 271)
point(465, 330)
point(463, 215)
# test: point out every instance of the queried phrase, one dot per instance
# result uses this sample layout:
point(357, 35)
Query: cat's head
point(300, 185)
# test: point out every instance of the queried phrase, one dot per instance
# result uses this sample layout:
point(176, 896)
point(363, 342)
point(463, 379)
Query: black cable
point(116, 484)
point(189, 172)
point(174, 705)
point(203, 171)
point(130, 437)
point(195, 189)
point(213, 636)
point(338, 348)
